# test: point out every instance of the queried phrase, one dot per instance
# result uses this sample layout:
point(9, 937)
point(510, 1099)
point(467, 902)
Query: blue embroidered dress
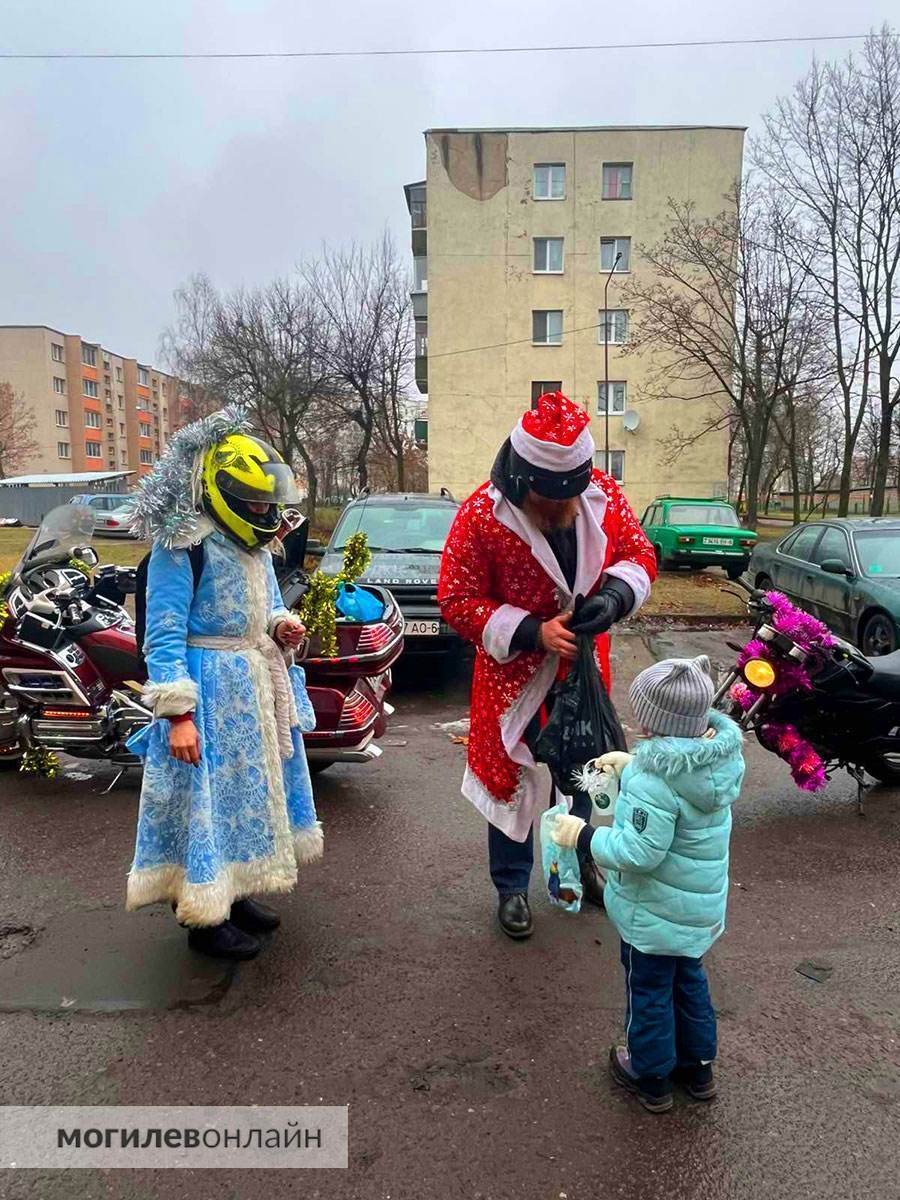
point(242, 821)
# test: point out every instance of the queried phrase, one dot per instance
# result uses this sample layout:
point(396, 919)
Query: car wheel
point(878, 636)
point(736, 571)
point(660, 560)
point(764, 584)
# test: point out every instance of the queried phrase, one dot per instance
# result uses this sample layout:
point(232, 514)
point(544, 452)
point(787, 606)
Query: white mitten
point(566, 830)
point(616, 760)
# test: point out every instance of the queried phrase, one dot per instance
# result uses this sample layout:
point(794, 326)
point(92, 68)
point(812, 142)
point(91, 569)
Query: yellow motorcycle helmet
point(241, 474)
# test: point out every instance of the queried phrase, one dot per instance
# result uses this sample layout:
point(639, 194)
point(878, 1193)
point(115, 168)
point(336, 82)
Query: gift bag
point(358, 604)
point(562, 872)
point(583, 723)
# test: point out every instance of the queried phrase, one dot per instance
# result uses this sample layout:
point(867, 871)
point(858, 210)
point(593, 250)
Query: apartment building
point(516, 235)
point(93, 410)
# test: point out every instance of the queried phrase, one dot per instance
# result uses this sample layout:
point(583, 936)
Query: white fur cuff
point(171, 699)
point(637, 579)
point(498, 633)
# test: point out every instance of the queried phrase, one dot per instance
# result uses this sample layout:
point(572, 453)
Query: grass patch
point(696, 592)
point(122, 551)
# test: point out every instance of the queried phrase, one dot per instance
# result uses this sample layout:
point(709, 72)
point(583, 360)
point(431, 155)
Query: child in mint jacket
point(666, 857)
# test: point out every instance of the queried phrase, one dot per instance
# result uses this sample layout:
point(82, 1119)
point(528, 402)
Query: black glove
point(597, 613)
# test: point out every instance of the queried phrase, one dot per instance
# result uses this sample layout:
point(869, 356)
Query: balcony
point(418, 216)
point(422, 373)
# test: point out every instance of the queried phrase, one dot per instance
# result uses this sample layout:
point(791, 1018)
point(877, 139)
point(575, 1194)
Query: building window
point(93, 450)
point(90, 388)
point(613, 326)
point(107, 393)
point(547, 326)
point(62, 449)
point(617, 181)
point(616, 466)
point(143, 376)
point(146, 457)
point(121, 401)
point(62, 418)
point(59, 385)
point(618, 392)
point(89, 355)
point(56, 352)
point(420, 273)
point(548, 255)
point(145, 428)
point(122, 428)
point(91, 419)
point(540, 387)
point(549, 181)
point(118, 374)
point(610, 247)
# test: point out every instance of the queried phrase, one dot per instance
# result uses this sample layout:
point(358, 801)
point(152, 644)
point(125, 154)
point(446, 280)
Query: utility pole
point(606, 330)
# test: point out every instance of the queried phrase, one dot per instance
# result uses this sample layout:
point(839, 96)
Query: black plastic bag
point(583, 723)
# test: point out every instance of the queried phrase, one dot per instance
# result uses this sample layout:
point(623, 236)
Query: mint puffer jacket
point(666, 852)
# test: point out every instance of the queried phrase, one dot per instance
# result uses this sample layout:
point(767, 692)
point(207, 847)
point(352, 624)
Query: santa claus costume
point(502, 578)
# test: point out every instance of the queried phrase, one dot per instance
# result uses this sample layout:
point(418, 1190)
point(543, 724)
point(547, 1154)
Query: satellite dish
point(631, 420)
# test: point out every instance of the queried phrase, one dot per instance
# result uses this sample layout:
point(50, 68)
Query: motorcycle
point(814, 699)
point(71, 673)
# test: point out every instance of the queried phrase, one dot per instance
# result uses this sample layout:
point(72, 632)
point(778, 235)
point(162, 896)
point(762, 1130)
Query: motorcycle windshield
point(63, 530)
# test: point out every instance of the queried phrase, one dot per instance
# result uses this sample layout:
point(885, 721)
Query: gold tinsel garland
point(5, 577)
point(38, 760)
point(318, 608)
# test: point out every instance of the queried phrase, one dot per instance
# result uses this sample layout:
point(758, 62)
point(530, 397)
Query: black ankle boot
point(514, 915)
point(223, 941)
point(698, 1081)
point(253, 917)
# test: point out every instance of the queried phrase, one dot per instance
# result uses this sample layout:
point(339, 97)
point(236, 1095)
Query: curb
point(688, 621)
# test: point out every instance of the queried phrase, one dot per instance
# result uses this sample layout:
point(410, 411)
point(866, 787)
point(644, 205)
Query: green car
point(687, 532)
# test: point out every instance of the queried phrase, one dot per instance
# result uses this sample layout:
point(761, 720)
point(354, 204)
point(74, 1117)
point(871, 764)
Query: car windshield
point(397, 527)
point(703, 514)
point(879, 552)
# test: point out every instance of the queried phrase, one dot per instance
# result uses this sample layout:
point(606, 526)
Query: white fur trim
point(515, 818)
point(550, 456)
point(309, 844)
point(498, 633)
point(637, 579)
point(208, 903)
point(171, 699)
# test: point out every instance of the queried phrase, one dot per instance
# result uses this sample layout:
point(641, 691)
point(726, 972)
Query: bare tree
point(832, 149)
point(363, 297)
point(264, 348)
point(724, 315)
point(17, 442)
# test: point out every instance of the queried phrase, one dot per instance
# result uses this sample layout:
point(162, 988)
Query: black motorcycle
point(851, 713)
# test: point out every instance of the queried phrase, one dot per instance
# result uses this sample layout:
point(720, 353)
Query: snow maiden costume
point(501, 577)
point(242, 820)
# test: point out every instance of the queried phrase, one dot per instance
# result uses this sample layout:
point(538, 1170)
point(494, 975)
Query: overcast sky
point(118, 180)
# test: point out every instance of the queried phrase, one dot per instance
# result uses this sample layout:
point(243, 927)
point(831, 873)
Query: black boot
point(654, 1094)
point(223, 941)
point(253, 917)
point(514, 915)
point(591, 882)
point(699, 1081)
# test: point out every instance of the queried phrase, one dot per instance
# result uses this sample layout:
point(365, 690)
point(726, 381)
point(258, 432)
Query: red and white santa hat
point(555, 447)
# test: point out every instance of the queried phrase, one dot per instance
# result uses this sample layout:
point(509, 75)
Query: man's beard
point(550, 515)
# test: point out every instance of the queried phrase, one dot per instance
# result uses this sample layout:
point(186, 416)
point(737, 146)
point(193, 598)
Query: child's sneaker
point(654, 1094)
point(699, 1081)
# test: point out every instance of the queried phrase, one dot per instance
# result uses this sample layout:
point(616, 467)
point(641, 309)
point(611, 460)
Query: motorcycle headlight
point(759, 673)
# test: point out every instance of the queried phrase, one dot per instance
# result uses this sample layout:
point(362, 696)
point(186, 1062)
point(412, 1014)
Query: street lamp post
point(606, 351)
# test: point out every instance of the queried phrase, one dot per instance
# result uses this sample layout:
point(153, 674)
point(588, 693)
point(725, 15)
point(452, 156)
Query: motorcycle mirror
point(834, 566)
point(87, 554)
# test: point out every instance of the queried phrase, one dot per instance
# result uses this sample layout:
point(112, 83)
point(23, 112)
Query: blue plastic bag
point(562, 873)
point(357, 604)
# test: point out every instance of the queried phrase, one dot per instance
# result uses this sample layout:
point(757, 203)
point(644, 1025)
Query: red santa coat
point(497, 567)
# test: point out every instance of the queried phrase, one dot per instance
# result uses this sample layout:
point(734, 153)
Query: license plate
point(717, 541)
point(423, 628)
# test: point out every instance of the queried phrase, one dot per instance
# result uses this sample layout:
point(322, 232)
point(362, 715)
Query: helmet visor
point(283, 489)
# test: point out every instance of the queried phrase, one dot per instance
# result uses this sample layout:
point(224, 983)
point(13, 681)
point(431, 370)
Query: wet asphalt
point(475, 1066)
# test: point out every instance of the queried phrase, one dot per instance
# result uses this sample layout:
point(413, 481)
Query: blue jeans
point(669, 1017)
point(511, 861)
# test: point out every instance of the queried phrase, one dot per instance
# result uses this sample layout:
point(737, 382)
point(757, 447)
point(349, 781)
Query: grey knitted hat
point(673, 697)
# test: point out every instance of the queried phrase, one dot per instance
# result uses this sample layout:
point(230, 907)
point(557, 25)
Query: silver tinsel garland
point(168, 507)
